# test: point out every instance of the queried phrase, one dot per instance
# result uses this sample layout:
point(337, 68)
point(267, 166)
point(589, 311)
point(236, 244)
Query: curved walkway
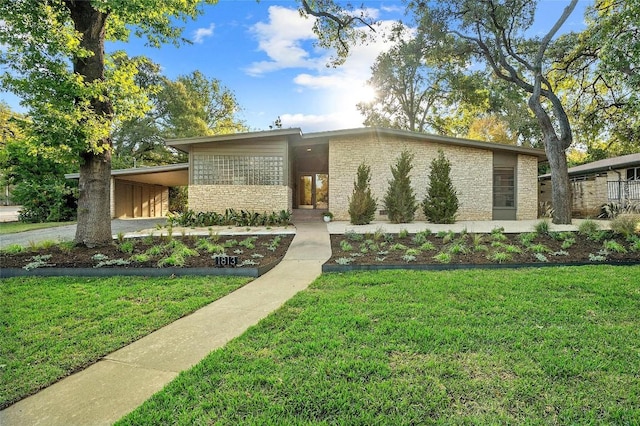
point(121, 381)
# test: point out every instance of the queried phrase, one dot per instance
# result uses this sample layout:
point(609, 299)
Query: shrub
point(45, 201)
point(400, 199)
point(362, 205)
point(441, 203)
point(588, 227)
point(626, 224)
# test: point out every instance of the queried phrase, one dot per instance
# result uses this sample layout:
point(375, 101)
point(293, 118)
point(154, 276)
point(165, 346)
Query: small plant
point(154, 251)
point(383, 252)
point(248, 243)
point(398, 247)
point(539, 248)
point(230, 243)
point(513, 249)
point(611, 245)
point(238, 251)
point(13, 249)
point(588, 227)
point(625, 224)
point(443, 257)
point(412, 252)
point(528, 238)
point(209, 246)
point(404, 233)
point(427, 246)
point(66, 246)
point(249, 262)
point(458, 248)
point(213, 236)
point(560, 253)
point(380, 259)
point(635, 244)
point(344, 260)
point(174, 260)
point(345, 246)
point(541, 257)
point(257, 256)
point(597, 257)
point(112, 262)
point(98, 257)
point(543, 227)
point(364, 249)
point(38, 261)
point(120, 237)
point(420, 238)
point(353, 236)
point(409, 258)
point(126, 247)
point(498, 236)
point(448, 237)
point(568, 243)
point(140, 258)
point(500, 257)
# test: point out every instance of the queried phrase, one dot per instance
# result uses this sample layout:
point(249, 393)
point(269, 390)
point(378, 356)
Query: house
point(612, 180)
point(143, 191)
point(284, 169)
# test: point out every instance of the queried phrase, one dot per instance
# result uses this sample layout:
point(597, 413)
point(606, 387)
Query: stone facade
point(471, 173)
point(218, 198)
point(527, 188)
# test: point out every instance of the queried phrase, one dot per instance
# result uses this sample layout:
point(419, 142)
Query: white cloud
point(286, 39)
point(282, 38)
point(201, 33)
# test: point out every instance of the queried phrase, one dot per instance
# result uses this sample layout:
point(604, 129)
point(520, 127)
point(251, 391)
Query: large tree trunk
point(560, 185)
point(94, 205)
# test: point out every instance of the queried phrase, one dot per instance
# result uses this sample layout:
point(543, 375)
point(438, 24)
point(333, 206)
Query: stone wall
point(217, 198)
point(471, 170)
point(527, 188)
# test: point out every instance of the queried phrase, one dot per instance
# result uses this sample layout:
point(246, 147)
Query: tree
point(400, 199)
point(441, 203)
point(495, 33)
point(190, 105)
point(78, 103)
point(362, 205)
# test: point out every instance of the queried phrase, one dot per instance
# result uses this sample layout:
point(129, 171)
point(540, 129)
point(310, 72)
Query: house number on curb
point(226, 261)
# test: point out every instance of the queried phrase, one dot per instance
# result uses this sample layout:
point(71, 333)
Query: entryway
point(313, 191)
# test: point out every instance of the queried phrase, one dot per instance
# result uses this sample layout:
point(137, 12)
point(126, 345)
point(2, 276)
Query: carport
point(143, 191)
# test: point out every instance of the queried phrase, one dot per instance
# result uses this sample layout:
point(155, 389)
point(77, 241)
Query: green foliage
point(362, 204)
point(230, 217)
point(44, 201)
point(542, 227)
point(626, 224)
point(588, 227)
point(400, 200)
point(441, 202)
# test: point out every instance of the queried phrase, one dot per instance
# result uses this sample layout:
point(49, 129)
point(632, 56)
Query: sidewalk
point(120, 382)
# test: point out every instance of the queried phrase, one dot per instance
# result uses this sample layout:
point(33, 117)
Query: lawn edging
point(328, 268)
point(253, 272)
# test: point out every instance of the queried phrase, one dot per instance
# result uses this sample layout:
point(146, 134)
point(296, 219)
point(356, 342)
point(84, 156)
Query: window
point(633, 173)
point(504, 189)
point(209, 169)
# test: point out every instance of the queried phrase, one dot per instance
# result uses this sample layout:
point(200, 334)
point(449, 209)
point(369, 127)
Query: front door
point(313, 191)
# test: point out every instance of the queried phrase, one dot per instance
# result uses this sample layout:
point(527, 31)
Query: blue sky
point(264, 53)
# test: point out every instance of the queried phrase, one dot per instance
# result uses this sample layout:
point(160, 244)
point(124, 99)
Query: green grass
point(52, 327)
point(530, 346)
point(14, 227)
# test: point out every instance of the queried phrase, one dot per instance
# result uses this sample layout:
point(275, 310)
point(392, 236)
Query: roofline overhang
point(621, 162)
point(184, 144)
point(139, 170)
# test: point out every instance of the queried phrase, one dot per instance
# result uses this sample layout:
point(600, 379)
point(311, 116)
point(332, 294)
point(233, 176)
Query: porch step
point(307, 215)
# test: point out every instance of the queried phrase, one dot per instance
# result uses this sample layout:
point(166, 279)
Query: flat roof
point(620, 162)
point(296, 136)
point(168, 175)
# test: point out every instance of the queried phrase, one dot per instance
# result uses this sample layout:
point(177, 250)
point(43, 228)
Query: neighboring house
point(612, 180)
point(284, 169)
point(143, 191)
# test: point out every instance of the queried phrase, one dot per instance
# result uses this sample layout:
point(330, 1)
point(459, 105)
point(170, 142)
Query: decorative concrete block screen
point(211, 169)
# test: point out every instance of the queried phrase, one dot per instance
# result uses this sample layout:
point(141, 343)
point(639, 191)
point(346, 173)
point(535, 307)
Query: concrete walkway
point(116, 385)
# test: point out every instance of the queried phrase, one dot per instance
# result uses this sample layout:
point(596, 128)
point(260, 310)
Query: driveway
point(68, 232)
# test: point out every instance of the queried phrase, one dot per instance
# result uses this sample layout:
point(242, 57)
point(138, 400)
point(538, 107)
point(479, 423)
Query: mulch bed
point(391, 249)
point(264, 252)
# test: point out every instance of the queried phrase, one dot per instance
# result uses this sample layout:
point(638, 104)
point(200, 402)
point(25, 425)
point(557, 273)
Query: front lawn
point(535, 346)
point(14, 227)
point(52, 327)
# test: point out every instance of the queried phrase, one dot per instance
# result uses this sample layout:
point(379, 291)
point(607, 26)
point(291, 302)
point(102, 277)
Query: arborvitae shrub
point(441, 203)
point(400, 200)
point(362, 205)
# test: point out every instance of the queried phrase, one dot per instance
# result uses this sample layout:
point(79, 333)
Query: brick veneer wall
point(217, 198)
point(471, 170)
point(527, 188)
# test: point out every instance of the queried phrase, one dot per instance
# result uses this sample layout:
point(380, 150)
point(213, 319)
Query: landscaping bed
point(213, 254)
point(449, 250)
